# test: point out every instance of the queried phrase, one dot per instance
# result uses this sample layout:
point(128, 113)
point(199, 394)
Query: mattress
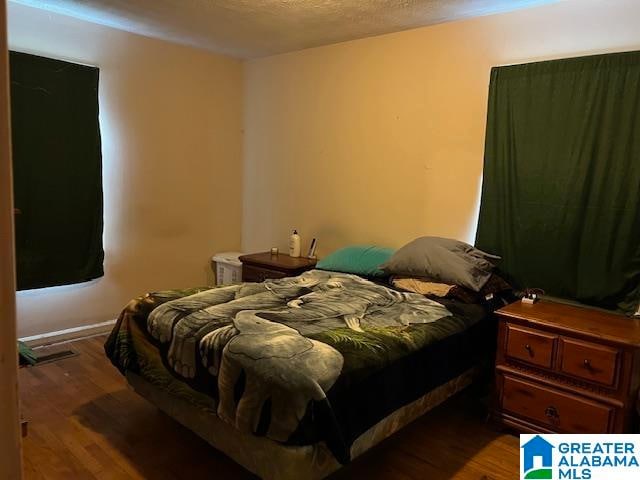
point(319, 359)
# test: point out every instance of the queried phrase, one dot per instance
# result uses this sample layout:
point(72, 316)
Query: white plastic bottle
point(294, 244)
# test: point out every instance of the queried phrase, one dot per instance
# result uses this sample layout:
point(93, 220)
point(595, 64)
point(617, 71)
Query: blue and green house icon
point(538, 447)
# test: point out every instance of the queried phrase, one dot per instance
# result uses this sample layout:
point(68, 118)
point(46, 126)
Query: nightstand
point(258, 267)
point(566, 369)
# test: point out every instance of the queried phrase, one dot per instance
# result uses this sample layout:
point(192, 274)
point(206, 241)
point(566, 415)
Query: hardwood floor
point(84, 423)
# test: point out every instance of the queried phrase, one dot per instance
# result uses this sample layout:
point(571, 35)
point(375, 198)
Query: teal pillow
point(359, 259)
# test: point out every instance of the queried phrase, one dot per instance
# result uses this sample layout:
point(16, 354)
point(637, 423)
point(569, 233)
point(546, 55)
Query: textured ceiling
point(256, 28)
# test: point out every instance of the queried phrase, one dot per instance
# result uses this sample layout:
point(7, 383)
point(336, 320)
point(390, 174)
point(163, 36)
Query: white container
point(228, 268)
point(294, 244)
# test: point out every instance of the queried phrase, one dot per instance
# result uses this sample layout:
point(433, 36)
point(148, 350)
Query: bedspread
point(266, 355)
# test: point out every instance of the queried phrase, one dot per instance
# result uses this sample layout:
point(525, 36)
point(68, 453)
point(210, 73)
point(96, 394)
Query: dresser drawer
point(590, 361)
point(251, 273)
point(554, 409)
point(530, 346)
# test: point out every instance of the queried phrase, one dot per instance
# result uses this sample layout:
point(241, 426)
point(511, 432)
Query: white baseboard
point(68, 334)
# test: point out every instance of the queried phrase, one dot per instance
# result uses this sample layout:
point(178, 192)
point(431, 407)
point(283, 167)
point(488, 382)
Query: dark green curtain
point(561, 182)
point(57, 169)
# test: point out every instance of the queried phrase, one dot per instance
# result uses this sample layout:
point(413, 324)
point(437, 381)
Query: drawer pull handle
point(552, 413)
point(528, 348)
point(587, 364)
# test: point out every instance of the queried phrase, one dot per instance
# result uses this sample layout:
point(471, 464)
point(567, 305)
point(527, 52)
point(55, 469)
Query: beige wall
point(171, 120)
point(376, 140)
point(381, 140)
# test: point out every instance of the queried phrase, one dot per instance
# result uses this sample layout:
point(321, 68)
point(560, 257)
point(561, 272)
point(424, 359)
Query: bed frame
point(273, 461)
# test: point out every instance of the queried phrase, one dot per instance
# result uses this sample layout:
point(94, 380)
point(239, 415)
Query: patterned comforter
point(266, 357)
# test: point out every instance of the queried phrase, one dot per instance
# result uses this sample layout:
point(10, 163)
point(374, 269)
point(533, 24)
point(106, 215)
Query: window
point(57, 170)
point(561, 183)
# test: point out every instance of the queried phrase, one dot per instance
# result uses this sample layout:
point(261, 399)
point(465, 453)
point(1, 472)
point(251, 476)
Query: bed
point(294, 377)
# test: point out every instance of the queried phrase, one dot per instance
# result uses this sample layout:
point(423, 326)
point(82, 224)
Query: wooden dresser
point(258, 267)
point(566, 369)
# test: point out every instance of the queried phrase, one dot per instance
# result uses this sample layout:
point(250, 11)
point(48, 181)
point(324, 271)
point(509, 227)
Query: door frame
point(10, 435)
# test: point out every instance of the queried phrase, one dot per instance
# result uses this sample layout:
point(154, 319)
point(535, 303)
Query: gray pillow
point(444, 260)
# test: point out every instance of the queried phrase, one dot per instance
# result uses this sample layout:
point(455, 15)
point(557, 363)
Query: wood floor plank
point(85, 423)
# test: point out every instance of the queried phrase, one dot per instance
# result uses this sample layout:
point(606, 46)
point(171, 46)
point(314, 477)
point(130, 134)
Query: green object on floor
point(26, 355)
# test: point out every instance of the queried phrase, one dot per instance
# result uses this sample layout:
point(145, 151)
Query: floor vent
point(54, 357)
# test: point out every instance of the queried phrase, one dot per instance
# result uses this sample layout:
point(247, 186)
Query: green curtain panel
point(57, 168)
point(561, 186)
